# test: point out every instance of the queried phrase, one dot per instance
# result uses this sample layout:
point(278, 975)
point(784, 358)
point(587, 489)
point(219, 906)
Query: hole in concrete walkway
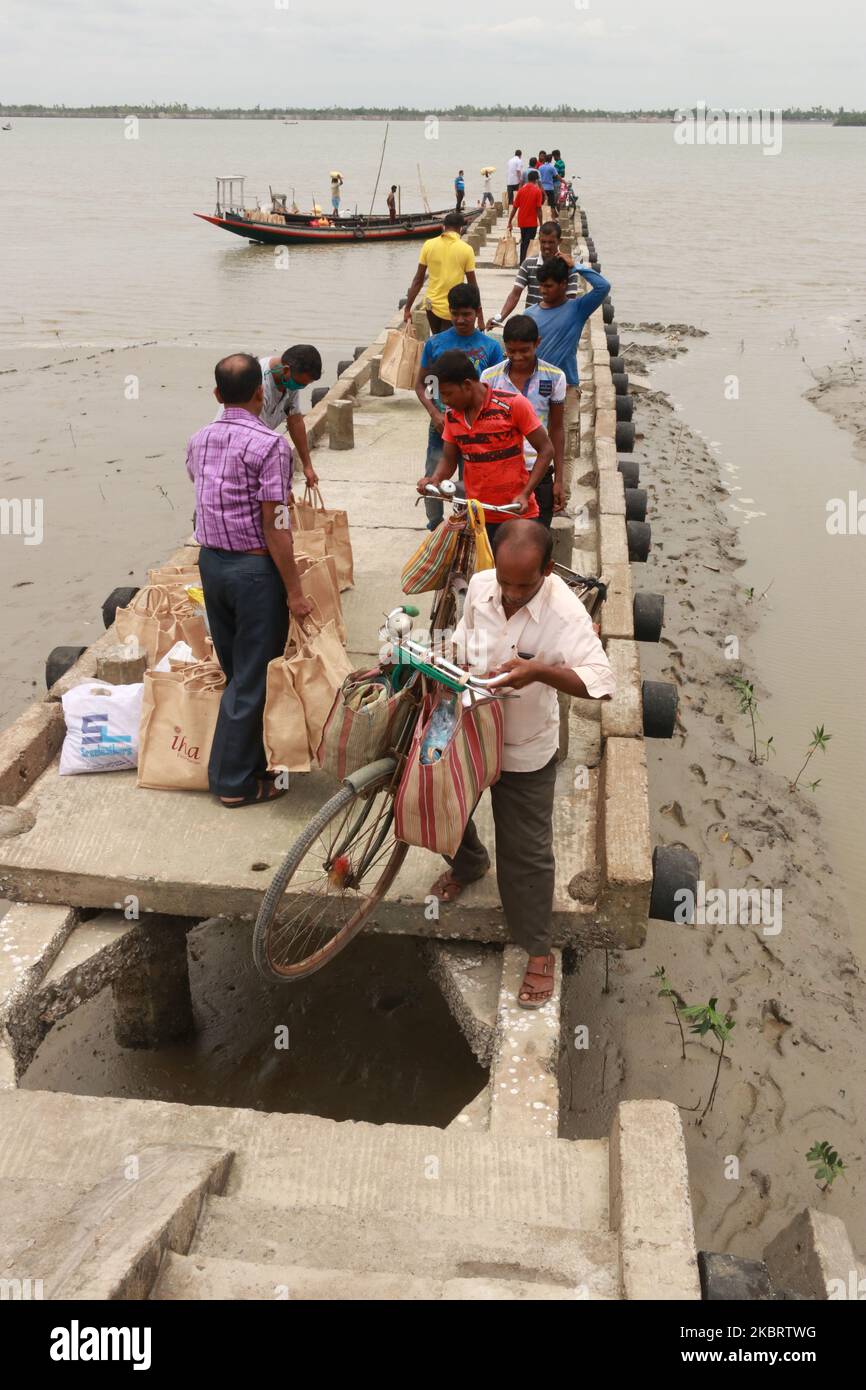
point(369, 1038)
point(258, 867)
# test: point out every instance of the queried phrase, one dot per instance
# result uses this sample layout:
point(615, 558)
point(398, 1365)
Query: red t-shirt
point(492, 449)
point(527, 201)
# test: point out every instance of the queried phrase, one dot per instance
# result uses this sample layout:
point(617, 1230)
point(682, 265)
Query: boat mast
point(381, 162)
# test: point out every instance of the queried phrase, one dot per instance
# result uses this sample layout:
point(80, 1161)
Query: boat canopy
point(230, 194)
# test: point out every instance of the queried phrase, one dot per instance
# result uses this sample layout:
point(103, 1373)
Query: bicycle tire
point(262, 955)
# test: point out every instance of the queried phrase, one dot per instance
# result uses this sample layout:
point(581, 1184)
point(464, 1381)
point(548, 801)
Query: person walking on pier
point(543, 385)
point(527, 204)
point(482, 350)
point(527, 622)
point(392, 203)
point(514, 174)
point(560, 320)
point(242, 473)
point(527, 274)
point(547, 175)
point(283, 379)
point(459, 190)
point(447, 258)
point(485, 429)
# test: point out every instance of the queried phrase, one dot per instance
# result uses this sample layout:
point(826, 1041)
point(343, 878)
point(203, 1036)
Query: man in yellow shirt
point(447, 258)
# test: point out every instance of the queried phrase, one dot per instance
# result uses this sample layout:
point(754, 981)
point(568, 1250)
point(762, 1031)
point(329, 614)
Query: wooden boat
point(280, 227)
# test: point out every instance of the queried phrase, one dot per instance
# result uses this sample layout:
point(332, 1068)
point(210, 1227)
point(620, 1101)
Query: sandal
point(265, 793)
point(447, 888)
point(530, 996)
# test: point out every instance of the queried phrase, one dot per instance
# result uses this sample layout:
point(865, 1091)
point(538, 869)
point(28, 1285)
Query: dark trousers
point(437, 325)
point(526, 236)
point(246, 607)
point(525, 867)
point(512, 189)
point(544, 498)
point(460, 197)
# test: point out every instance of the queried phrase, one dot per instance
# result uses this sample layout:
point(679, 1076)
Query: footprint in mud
point(716, 805)
point(727, 762)
point(740, 857)
point(675, 811)
point(774, 1025)
point(699, 773)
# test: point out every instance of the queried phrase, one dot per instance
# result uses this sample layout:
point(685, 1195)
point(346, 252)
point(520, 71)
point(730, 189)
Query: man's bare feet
point(538, 982)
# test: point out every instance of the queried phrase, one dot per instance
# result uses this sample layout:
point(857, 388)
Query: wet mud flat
point(792, 1072)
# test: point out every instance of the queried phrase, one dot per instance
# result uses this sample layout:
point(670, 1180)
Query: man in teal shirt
point(560, 320)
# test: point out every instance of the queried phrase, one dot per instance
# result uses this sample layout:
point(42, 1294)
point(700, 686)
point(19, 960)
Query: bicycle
point(343, 863)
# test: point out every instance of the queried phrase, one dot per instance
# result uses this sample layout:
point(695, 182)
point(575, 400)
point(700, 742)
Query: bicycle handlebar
point(510, 508)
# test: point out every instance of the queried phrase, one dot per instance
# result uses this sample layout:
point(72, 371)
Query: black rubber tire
point(635, 503)
point(401, 303)
point(619, 381)
point(595, 265)
point(630, 470)
point(624, 436)
point(659, 700)
point(624, 407)
point(318, 393)
point(648, 616)
point(675, 869)
point(358, 352)
point(613, 344)
point(118, 598)
point(277, 888)
point(344, 366)
point(639, 536)
point(607, 310)
point(617, 363)
point(59, 662)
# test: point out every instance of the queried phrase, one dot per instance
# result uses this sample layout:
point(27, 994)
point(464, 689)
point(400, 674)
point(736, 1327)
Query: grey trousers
point(525, 867)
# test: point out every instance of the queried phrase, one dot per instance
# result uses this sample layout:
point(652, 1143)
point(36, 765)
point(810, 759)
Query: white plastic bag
point(181, 653)
point(101, 727)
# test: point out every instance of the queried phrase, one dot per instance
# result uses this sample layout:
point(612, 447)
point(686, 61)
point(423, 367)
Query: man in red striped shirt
point(486, 429)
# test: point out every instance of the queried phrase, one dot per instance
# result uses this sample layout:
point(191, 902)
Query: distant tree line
point(180, 110)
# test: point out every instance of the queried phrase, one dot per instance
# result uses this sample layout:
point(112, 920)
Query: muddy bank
point(841, 393)
point(792, 1073)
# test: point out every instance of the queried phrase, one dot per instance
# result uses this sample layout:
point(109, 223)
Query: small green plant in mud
point(667, 991)
point(749, 706)
point(826, 1162)
point(705, 1018)
point(820, 739)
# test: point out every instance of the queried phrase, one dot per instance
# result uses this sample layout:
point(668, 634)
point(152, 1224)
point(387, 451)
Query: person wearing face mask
point(284, 378)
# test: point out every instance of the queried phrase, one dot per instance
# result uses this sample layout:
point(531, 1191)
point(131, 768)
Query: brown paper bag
point(158, 617)
point(506, 252)
point(533, 249)
point(178, 717)
point(319, 584)
point(401, 357)
point(174, 576)
point(312, 544)
point(311, 514)
point(302, 685)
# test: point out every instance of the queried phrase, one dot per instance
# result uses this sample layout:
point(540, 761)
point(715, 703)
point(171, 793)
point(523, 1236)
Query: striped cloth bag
point(365, 721)
point(428, 567)
point(435, 800)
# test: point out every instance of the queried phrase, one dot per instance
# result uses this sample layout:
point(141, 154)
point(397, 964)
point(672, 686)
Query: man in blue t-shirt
point(560, 320)
point(460, 190)
point(483, 351)
point(547, 175)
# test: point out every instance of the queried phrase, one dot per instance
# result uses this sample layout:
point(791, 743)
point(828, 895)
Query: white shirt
point(515, 169)
point(278, 405)
point(556, 629)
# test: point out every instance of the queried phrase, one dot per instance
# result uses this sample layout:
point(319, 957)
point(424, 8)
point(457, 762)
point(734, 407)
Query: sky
point(293, 53)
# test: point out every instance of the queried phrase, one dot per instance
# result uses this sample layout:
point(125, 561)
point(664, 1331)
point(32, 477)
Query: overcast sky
point(610, 53)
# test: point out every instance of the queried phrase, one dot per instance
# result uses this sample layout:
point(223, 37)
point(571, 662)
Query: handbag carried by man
point(437, 795)
point(311, 515)
point(401, 357)
point(301, 686)
point(505, 254)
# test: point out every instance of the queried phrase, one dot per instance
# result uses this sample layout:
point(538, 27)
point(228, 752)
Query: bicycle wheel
point(336, 873)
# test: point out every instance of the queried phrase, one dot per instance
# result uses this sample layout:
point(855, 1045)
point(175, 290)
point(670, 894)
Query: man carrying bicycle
point(488, 428)
point(522, 619)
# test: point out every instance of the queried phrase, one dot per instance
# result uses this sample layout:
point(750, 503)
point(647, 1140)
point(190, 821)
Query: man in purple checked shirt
point(242, 473)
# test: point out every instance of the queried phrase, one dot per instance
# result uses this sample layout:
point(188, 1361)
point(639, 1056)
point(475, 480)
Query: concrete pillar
point(420, 323)
point(116, 666)
point(378, 387)
point(152, 1004)
point(341, 425)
